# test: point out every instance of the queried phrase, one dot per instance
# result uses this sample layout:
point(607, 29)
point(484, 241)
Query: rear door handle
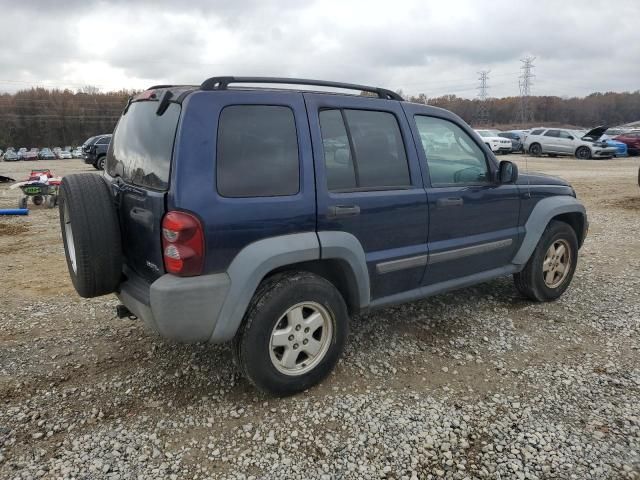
point(450, 202)
point(344, 210)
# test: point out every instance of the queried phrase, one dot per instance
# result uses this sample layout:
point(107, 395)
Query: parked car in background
point(95, 150)
point(558, 141)
point(21, 152)
point(77, 153)
point(31, 154)
point(10, 156)
point(46, 154)
point(494, 142)
point(67, 148)
point(631, 140)
point(64, 154)
point(516, 140)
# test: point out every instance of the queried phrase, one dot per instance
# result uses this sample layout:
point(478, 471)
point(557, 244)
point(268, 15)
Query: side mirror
point(507, 172)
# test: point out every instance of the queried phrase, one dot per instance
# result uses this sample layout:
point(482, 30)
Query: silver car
point(559, 141)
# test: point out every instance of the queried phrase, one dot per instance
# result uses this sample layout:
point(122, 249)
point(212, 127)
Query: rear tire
point(288, 311)
point(91, 234)
point(548, 273)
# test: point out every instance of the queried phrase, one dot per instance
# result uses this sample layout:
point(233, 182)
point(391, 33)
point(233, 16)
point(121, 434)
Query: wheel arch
point(336, 271)
point(576, 221)
point(336, 256)
point(562, 207)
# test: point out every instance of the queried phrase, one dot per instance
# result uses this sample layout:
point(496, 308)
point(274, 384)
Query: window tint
point(378, 148)
point(365, 152)
point(257, 152)
point(143, 145)
point(564, 134)
point(537, 132)
point(103, 141)
point(452, 156)
point(337, 153)
point(552, 133)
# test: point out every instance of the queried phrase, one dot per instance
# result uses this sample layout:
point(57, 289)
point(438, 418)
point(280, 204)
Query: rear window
point(142, 145)
point(257, 152)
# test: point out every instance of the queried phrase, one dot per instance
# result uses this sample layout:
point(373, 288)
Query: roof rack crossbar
point(221, 83)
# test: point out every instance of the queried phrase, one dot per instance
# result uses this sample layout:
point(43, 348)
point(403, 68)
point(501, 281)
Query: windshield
point(142, 145)
point(485, 133)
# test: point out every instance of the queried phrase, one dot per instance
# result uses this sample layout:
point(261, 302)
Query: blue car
point(621, 148)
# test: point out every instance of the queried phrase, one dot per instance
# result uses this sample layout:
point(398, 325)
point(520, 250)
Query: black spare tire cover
point(91, 234)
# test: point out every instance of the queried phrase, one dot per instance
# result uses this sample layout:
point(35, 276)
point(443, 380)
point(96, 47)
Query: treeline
point(40, 117)
point(49, 118)
point(596, 109)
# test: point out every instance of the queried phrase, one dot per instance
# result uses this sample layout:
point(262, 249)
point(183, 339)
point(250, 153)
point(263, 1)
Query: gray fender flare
point(540, 216)
point(344, 246)
point(248, 269)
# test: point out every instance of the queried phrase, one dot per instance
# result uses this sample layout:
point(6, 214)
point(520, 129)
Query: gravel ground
point(478, 383)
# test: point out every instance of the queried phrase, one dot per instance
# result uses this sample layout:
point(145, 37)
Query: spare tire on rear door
point(91, 234)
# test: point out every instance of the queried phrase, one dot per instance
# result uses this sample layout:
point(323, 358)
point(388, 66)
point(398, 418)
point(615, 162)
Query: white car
point(494, 142)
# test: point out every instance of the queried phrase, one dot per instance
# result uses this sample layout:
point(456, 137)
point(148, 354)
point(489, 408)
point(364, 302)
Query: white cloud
point(435, 47)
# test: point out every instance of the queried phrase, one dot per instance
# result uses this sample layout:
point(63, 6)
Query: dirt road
point(477, 383)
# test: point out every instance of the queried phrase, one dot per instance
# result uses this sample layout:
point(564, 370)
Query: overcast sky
point(431, 46)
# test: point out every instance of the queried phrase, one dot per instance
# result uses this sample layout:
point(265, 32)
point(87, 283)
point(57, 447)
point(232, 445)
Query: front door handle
point(450, 202)
point(344, 210)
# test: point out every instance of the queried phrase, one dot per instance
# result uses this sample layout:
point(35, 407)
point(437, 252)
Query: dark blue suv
point(268, 217)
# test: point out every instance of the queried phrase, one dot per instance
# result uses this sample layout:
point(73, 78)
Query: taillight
point(182, 244)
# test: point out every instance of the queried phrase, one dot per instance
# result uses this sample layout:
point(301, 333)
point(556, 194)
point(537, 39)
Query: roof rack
point(221, 83)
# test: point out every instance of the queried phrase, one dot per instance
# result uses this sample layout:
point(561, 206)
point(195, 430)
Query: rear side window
point(363, 150)
point(142, 145)
point(257, 152)
point(537, 132)
point(564, 134)
point(552, 133)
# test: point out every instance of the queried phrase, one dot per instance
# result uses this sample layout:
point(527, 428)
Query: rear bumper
point(183, 309)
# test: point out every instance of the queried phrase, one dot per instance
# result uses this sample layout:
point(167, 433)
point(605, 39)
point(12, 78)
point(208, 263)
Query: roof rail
point(221, 83)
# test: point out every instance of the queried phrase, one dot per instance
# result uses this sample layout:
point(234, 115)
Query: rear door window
point(537, 132)
point(564, 134)
point(257, 152)
point(363, 150)
point(552, 133)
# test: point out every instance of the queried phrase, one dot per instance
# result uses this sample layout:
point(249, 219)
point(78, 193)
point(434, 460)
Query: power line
point(525, 82)
point(482, 115)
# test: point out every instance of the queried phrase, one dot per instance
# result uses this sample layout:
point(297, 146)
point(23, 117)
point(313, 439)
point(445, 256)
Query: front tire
point(293, 333)
point(583, 153)
point(535, 149)
point(550, 269)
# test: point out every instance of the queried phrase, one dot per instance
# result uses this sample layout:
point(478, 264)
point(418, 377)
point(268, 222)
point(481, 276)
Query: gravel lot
point(473, 384)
